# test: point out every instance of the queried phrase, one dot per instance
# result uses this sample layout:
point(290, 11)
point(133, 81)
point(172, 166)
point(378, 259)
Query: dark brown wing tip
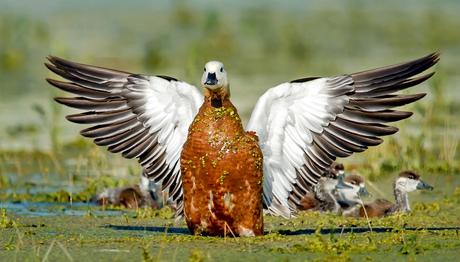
point(53, 59)
point(406, 114)
point(418, 97)
point(436, 55)
point(49, 66)
point(427, 61)
point(395, 130)
point(391, 130)
point(60, 62)
point(425, 77)
point(54, 68)
point(61, 100)
point(407, 99)
point(53, 82)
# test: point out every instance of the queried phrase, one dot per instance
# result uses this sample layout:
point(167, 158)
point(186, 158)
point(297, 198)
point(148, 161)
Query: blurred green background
point(262, 43)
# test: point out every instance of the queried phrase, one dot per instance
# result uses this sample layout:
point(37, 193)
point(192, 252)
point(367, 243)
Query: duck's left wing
point(305, 124)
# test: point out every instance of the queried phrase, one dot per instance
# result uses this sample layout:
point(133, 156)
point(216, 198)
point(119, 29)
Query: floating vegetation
point(5, 220)
point(163, 213)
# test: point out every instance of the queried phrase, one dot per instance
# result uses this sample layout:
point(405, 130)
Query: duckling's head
point(334, 170)
point(350, 189)
point(409, 181)
point(338, 167)
point(215, 77)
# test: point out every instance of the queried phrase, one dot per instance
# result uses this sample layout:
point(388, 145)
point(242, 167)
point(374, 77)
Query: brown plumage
point(354, 179)
point(221, 168)
point(334, 170)
point(131, 197)
point(409, 174)
point(379, 208)
point(308, 202)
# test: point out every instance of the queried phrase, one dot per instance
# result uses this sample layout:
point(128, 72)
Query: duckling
point(321, 198)
point(349, 191)
point(335, 194)
point(133, 196)
point(327, 184)
point(128, 197)
point(407, 181)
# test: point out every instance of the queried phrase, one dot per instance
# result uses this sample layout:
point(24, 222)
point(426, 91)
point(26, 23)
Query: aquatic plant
point(5, 220)
point(163, 213)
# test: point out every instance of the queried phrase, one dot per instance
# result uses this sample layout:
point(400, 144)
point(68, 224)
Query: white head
point(409, 181)
point(214, 76)
point(350, 189)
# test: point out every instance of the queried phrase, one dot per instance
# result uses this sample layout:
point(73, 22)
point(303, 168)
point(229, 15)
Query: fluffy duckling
point(128, 197)
point(407, 181)
point(133, 196)
point(321, 198)
point(335, 192)
point(349, 191)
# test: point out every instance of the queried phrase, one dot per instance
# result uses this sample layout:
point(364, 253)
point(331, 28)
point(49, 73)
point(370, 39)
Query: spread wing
point(142, 117)
point(305, 124)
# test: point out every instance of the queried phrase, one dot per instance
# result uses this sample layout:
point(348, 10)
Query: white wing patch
point(286, 118)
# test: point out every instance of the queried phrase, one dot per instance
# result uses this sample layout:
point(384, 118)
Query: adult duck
point(299, 127)
point(407, 181)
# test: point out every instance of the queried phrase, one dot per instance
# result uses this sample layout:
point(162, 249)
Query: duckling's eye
point(353, 182)
point(411, 177)
point(221, 69)
point(205, 69)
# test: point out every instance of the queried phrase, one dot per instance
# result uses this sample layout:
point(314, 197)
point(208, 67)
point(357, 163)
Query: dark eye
point(221, 69)
point(205, 69)
point(411, 177)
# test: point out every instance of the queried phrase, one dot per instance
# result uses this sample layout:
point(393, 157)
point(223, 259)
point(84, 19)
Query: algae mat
point(425, 235)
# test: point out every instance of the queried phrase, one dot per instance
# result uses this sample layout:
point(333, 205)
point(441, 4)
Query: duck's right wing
point(143, 117)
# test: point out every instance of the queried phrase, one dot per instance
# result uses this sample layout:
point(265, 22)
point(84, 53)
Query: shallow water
point(39, 209)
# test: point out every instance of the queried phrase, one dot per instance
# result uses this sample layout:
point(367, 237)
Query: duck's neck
point(402, 200)
point(216, 98)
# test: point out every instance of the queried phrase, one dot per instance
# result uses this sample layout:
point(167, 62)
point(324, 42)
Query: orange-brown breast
point(221, 168)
